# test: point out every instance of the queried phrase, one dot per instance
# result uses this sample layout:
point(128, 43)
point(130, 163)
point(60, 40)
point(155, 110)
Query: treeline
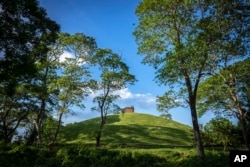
point(222, 133)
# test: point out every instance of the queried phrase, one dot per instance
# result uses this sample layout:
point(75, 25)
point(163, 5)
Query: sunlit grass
point(134, 134)
point(129, 129)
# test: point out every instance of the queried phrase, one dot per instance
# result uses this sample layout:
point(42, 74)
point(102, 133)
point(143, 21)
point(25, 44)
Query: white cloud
point(125, 94)
point(145, 101)
point(66, 55)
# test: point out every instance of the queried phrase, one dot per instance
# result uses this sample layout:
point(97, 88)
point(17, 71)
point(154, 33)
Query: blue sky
point(111, 23)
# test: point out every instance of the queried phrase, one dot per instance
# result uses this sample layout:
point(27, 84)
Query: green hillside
point(129, 129)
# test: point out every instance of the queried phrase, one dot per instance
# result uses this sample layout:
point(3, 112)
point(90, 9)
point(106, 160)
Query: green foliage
point(166, 102)
point(114, 76)
point(220, 131)
point(49, 129)
point(26, 34)
point(214, 92)
point(172, 41)
point(72, 83)
point(104, 157)
point(187, 40)
point(166, 116)
point(114, 72)
point(76, 156)
point(21, 155)
point(227, 93)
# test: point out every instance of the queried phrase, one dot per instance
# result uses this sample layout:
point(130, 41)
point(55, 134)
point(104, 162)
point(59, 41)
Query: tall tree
point(61, 83)
point(73, 82)
point(46, 98)
point(25, 35)
point(186, 40)
point(114, 76)
point(232, 77)
point(228, 93)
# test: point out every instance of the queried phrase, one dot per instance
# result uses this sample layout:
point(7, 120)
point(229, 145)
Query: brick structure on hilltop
point(128, 109)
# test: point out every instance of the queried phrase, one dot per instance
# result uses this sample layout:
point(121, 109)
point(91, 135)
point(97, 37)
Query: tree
point(220, 131)
point(61, 82)
point(14, 111)
point(25, 36)
point(45, 97)
point(73, 83)
point(228, 93)
point(187, 40)
point(164, 103)
point(114, 76)
point(166, 116)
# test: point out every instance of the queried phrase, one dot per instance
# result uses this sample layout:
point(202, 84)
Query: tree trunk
point(5, 134)
point(31, 137)
point(38, 135)
point(5, 127)
point(197, 136)
point(98, 139)
point(41, 112)
point(39, 122)
point(192, 104)
point(57, 129)
point(99, 134)
point(244, 132)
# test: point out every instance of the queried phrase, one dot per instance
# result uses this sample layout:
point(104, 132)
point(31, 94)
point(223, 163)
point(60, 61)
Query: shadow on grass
point(149, 135)
point(125, 135)
point(84, 131)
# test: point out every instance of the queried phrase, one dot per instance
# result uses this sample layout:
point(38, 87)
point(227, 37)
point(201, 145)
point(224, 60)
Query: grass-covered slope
point(129, 128)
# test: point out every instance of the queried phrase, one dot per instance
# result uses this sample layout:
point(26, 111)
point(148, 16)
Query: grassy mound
point(129, 129)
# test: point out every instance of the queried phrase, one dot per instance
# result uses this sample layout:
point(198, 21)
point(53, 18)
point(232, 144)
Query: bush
point(72, 156)
point(18, 156)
